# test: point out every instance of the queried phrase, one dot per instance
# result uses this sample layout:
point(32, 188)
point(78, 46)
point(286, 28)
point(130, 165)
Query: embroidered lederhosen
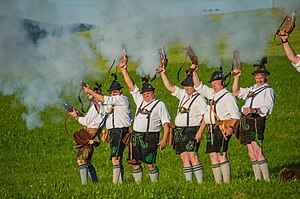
point(216, 141)
point(144, 144)
point(252, 126)
point(184, 136)
point(87, 152)
point(115, 137)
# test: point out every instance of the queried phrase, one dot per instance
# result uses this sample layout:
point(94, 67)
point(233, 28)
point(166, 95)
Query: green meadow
point(41, 163)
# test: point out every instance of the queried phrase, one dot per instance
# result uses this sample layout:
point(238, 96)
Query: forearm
point(166, 131)
point(196, 79)
point(235, 86)
point(290, 53)
point(167, 83)
point(128, 80)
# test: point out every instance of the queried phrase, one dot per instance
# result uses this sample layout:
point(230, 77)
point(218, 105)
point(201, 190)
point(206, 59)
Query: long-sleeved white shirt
point(197, 109)
point(226, 107)
point(263, 100)
point(121, 115)
point(297, 65)
point(93, 119)
point(159, 116)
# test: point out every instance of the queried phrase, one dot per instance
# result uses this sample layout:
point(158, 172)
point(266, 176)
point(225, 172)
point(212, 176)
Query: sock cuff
point(215, 166)
point(254, 163)
point(197, 167)
point(223, 163)
point(116, 166)
point(139, 170)
point(263, 162)
point(155, 170)
point(187, 169)
point(83, 166)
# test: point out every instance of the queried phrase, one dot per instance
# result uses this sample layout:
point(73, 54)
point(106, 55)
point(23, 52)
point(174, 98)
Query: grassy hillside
point(41, 163)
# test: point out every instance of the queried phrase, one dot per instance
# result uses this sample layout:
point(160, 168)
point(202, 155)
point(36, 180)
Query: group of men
point(200, 107)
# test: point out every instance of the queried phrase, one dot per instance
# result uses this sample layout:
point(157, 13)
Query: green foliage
point(41, 163)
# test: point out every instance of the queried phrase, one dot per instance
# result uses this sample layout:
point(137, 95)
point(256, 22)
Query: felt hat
point(146, 85)
point(188, 81)
point(115, 85)
point(261, 68)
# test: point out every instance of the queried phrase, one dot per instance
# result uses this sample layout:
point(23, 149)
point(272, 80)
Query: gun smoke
point(42, 72)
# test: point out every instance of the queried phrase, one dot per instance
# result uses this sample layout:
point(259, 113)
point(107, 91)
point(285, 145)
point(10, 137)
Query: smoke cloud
point(42, 72)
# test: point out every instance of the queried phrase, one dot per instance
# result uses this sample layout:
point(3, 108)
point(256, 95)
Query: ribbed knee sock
point(198, 171)
point(256, 170)
point(263, 164)
point(83, 173)
point(154, 174)
point(225, 169)
point(137, 174)
point(188, 173)
point(217, 172)
point(93, 174)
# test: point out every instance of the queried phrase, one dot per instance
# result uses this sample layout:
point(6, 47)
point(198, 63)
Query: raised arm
point(98, 97)
point(127, 78)
point(235, 85)
point(196, 78)
point(289, 51)
point(166, 81)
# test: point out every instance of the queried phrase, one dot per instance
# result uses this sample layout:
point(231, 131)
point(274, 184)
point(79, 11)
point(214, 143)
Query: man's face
point(115, 92)
point(260, 78)
point(148, 96)
point(217, 85)
point(189, 90)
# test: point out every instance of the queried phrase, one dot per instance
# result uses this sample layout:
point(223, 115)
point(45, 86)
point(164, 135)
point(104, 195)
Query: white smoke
point(40, 74)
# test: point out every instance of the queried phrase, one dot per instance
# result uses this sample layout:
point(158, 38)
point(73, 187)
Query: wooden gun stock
point(237, 64)
point(289, 24)
point(70, 108)
point(163, 59)
point(191, 55)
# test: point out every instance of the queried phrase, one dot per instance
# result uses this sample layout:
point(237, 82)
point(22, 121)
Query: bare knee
point(185, 159)
point(193, 158)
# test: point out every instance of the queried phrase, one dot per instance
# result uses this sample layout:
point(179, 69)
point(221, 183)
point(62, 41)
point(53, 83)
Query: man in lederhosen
point(222, 118)
point(117, 123)
point(93, 122)
point(190, 112)
point(259, 102)
point(151, 114)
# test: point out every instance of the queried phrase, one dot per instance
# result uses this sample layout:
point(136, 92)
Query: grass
point(41, 163)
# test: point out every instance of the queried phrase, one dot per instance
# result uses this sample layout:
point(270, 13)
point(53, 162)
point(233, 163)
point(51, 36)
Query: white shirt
point(93, 119)
point(121, 116)
point(263, 100)
point(197, 109)
point(159, 115)
point(226, 107)
point(297, 65)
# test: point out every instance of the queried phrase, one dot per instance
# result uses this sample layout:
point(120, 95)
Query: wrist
point(284, 41)
point(256, 110)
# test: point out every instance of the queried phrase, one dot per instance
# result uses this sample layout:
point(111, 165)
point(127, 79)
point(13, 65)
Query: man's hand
point(162, 144)
point(198, 136)
point(122, 66)
point(194, 67)
point(73, 113)
point(236, 72)
point(228, 131)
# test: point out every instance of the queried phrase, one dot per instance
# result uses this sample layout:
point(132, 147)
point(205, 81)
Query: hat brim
point(261, 71)
point(119, 88)
point(146, 90)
